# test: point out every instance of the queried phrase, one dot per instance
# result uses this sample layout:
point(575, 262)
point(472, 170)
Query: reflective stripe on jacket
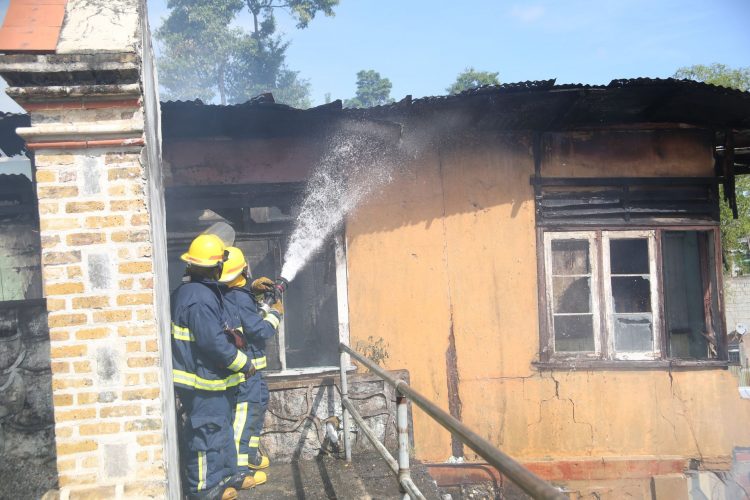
point(244, 314)
point(202, 356)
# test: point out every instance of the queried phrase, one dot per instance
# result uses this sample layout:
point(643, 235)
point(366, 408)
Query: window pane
point(683, 294)
point(571, 295)
point(631, 294)
point(628, 256)
point(633, 332)
point(574, 333)
point(570, 257)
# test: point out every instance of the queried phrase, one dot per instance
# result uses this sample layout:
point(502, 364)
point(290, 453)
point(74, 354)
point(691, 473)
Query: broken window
point(309, 334)
point(603, 294)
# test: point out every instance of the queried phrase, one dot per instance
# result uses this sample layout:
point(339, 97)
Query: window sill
point(600, 364)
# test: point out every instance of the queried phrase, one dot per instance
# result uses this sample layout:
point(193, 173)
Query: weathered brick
point(62, 399)
point(64, 288)
point(132, 379)
point(57, 192)
point(43, 176)
point(135, 267)
point(74, 272)
point(98, 428)
point(54, 160)
point(78, 239)
point(63, 432)
point(141, 394)
point(76, 479)
point(130, 236)
point(118, 190)
point(56, 320)
point(97, 302)
point(136, 330)
point(152, 489)
point(49, 224)
point(144, 251)
point(93, 333)
point(77, 207)
point(151, 378)
point(132, 410)
point(134, 299)
point(82, 366)
point(133, 347)
point(124, 253)
point(87, 398)
point(150, 439)
point(55, 304)
point(142, 456)
point(63, 465)
point(58, 335)
point(145, 314)
point(146, 283)
point(49, 208)
point(113, 316)
point(112, 158)
point(147, 424)
point(105, 221)
point(59, 367)
point(50, 241)
point(125, 284)
point(68, 176)
point(141, 361)
point(96, 493)
point(139, 220)
point(152, 346)
point(53, 273)
point(70, 383)
point(53, 258)
point(68, 351)
point(76, 414)
point(127, 205)
point(124, 173)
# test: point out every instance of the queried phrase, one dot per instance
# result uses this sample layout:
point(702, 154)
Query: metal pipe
point(411, 489)
point(524, 478)
point(371, 437)
point(403, 437)
point(344, 358)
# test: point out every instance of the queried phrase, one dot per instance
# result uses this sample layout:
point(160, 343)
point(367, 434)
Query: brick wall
point(737, 300)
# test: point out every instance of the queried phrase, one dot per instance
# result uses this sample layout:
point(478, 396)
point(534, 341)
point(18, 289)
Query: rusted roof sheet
point(533, 105)
point(32, 26)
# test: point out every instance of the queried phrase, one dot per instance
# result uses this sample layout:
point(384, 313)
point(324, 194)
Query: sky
point(422, 45)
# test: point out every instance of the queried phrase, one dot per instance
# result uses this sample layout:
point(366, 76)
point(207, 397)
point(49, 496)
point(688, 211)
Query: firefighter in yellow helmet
point(257, 325)
point(207, 368)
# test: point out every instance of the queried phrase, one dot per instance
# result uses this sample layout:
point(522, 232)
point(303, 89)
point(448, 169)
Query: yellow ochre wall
point(449, 245)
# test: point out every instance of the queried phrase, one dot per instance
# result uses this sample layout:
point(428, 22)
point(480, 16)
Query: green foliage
point(372, 90)
point(204, 56)
point(471, 78)
point(717, 74)
point(733, 231)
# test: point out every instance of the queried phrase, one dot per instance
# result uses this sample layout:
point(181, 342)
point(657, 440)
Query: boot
point(263, 463)
point(251, 481)
point(229, 494)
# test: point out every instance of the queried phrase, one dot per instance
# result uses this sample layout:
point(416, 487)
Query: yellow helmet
point(233, 266)
point(206, 250)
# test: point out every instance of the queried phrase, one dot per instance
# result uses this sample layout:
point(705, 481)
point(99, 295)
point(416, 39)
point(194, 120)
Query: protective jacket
point(257, 327)
point(202, 356)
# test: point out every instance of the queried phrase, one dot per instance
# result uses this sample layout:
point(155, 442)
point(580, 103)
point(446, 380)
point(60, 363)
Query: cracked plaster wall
point(455, 232)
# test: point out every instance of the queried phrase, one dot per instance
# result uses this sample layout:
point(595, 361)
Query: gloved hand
point(249, 370)
point(236, 337)
point(278, 306)
point(262, 285)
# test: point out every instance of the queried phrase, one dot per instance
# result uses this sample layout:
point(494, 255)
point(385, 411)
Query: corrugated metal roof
point(530, 105)
point(10, 142)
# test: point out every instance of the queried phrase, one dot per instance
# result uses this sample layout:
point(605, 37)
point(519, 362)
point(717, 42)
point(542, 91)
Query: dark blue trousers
point(208, 452)
point(250, 412)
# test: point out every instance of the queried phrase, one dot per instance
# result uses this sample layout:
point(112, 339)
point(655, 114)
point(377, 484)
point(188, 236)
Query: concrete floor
point(367, 477)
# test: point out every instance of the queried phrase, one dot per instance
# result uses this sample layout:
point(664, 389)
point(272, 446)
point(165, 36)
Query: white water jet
point(352, 169)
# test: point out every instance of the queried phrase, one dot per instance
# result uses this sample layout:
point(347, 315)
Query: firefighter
point(258, 324)
point(207, 368)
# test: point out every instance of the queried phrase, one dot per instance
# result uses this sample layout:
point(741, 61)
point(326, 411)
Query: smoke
point(357, 163)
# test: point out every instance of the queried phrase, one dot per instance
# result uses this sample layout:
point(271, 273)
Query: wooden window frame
point(549, 359)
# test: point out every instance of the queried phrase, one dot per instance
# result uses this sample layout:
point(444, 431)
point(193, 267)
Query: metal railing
point(514, 471)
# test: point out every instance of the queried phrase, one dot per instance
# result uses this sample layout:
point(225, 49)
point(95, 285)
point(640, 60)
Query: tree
point(471, 78)
point(733, 231)
point(204, 57)
point(717, 74)
point(372, 90)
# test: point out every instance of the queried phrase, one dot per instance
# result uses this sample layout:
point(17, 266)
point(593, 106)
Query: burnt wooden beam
point(621, 181)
